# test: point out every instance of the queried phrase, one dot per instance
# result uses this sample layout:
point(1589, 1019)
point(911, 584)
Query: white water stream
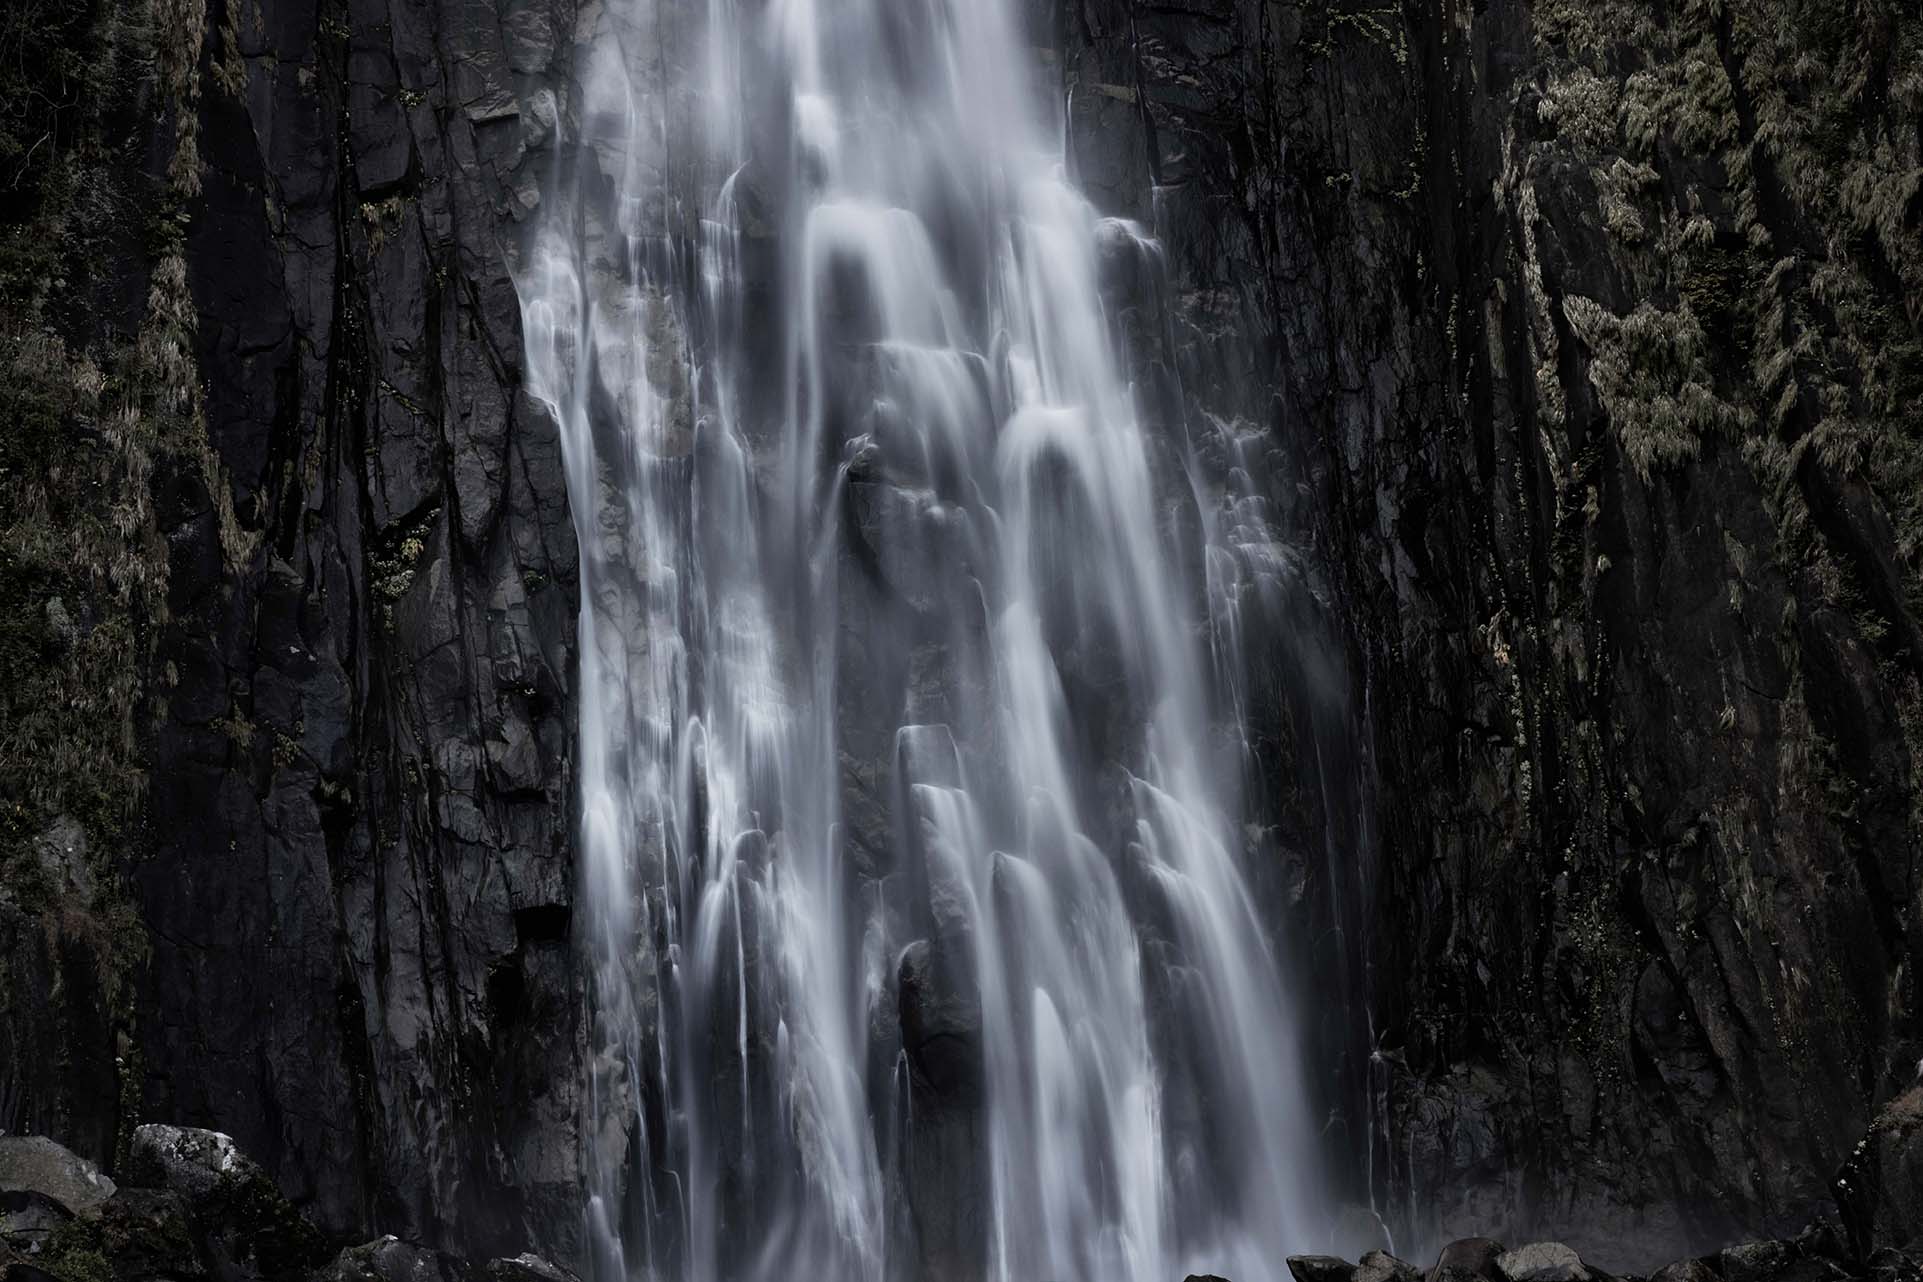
point(901, 665)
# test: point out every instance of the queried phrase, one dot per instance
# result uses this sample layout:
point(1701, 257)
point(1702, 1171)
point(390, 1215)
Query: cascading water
point(910, 743)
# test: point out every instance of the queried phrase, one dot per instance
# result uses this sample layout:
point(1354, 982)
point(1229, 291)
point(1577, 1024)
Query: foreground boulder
point(246, 1228)
point(35, 1164)
point(194, 1208)
point(137, 1235)
point(190, 1161)
point(1319, 1268)
point(1542, 1262)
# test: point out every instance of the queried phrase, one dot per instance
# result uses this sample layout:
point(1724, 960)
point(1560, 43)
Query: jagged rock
point(1542, 1262)
point(1320, 1268)
point(1471, 1257)
point(1204, 1277)
point(35, 1164)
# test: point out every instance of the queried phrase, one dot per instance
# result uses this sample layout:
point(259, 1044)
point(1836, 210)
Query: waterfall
point(911, 758)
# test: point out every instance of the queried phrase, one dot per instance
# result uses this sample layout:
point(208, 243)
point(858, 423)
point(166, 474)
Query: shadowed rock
point(246, 1226)
point(35, 1164)
point(1880, 1189)
point(1319, 1268)
point(27, 1216)
point(1470, 1257)
point(190, 1161)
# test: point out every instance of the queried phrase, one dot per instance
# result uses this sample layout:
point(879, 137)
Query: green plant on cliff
point(1716, 220)
point(76, 573)
point(95, 391)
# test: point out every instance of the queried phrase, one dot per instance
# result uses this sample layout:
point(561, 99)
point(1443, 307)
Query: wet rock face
point(1540, 324)
point(360, 875)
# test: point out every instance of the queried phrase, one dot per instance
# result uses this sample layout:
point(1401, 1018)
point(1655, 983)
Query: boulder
point(35, 1164)
point(1542, 1262)
point(1380, 1266)
point(388, 1259)
point(248, 1229)
point(527, 1267)
point(1469, 1257)
point(190, 1161)
point(1319, 1268)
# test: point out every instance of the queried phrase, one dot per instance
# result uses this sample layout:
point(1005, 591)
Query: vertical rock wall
point(1593, 333)
point(357, 874)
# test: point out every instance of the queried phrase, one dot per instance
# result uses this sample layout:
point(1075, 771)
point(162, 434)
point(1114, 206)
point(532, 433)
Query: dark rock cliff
point(267, 246)
point(1593, 332)
point(1573, 350)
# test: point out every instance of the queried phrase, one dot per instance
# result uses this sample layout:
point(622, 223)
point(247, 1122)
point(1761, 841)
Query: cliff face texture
point(1595, 333)
point(1573, 349)
point(299, 560)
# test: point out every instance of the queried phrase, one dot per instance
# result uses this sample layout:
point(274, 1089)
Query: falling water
point(910, 742)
